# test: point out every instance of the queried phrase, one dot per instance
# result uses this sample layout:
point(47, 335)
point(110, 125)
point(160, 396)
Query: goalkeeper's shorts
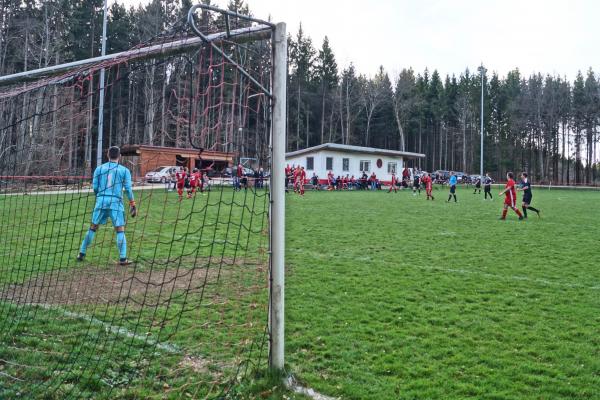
point(100, 215)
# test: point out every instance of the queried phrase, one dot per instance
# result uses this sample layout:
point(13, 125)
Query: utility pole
point(482, 72)
point(99, 150)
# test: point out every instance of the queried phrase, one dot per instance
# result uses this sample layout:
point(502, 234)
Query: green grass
point(198, 287)
point(390, 296)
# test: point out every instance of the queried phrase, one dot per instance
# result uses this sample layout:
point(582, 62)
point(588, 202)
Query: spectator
point(405, 174)
point(330, 181)
point(345, 182)
point(237, 176)
point(256, 179)
point(288, 172)
point(363, 180)
point(373, 181)
point(314, 180)
point(261, 178)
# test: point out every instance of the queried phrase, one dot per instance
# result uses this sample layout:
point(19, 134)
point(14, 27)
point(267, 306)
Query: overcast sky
point(551, 36)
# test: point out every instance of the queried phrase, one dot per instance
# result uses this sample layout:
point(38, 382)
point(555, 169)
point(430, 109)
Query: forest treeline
point(541, 123)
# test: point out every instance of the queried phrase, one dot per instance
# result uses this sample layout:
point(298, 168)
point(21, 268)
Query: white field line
point(514, 278)
point(540, 281)
point(290, 382)
point(117, 330)
point(292, 385)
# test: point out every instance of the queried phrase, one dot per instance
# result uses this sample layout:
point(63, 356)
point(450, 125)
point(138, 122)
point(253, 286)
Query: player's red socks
point(518, 213)
point(504, 212)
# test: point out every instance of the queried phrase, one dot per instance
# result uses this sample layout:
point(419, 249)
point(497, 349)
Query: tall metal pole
point(481, 70)
point(277, 300)
point(101, 99)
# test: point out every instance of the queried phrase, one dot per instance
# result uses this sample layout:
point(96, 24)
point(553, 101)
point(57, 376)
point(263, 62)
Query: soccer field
point(393, 297)
point(388, 296)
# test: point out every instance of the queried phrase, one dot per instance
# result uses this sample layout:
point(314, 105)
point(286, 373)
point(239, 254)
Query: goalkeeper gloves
point(132, 209)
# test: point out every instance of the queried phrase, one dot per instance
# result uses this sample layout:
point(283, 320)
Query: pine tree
point(591, 115)
point(404, 102)
point(578, 121)
point(327, 76)
point(301, 59)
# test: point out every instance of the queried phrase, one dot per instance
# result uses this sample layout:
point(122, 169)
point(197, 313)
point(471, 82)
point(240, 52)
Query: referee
point(453, 182)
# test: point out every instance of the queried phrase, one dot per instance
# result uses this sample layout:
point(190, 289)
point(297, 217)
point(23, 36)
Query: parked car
point(441, 175)
point(213, 173)
point(161, 174)
point(461, 177)
point(228, 172)
point(473, 178)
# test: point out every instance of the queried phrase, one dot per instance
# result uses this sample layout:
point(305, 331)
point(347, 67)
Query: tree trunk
point(298, 118)
point(400, 131)
point(322, 117)
point(307, 129)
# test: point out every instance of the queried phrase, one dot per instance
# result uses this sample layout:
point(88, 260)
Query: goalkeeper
point(109, 181)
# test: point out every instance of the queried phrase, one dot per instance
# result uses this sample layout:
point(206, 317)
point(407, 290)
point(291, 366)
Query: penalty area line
point(515, 278)
point(117, 330)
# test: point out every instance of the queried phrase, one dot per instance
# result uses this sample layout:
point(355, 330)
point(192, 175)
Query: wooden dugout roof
point(133, 150)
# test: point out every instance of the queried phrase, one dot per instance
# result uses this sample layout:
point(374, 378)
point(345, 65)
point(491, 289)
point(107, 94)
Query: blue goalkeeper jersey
point(453, 180)
point(109, 181)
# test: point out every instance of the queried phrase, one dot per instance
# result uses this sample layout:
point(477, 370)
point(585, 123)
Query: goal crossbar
point(256, 32)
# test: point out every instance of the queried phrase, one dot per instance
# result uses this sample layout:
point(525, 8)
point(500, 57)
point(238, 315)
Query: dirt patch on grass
point(115, 284)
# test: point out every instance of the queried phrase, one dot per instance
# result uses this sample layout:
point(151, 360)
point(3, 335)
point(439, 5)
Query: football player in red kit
point(393, 185)
point(296, 177)
point(194, 183)
point(426, 180)
point(510, 199)
point(301, 180)
point(180, 177)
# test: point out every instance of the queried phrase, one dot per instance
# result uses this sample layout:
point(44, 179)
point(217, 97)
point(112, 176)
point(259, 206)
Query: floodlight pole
point(101, 99)
point(277, 293)
point(481, 70)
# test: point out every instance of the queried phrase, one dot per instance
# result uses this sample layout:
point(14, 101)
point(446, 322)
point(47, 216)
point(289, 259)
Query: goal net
point(189, 316)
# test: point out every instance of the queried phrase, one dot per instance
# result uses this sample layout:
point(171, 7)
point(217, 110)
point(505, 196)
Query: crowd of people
point(190, 182)
point(198, 181)
point(240, 178)
point(296, 177)
point(296, 180)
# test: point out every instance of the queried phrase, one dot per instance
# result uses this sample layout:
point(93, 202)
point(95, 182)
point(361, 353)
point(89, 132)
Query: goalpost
point(203, 300)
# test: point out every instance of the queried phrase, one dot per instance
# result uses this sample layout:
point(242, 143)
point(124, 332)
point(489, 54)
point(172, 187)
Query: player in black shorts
point(487, 186)
point(477, 185)
point(416, 184)
point(525, 186)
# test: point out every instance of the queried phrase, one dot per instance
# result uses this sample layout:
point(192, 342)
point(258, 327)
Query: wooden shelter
point(141, 159)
